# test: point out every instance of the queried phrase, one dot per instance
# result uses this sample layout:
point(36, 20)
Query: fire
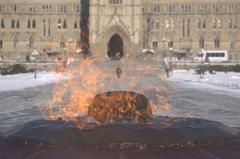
point(76, 97)
point(120, 105)
point(71, 98)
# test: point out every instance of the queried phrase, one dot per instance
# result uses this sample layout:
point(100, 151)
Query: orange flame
point(85, 79)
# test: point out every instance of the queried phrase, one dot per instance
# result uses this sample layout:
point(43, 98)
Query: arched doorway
point(115, 47)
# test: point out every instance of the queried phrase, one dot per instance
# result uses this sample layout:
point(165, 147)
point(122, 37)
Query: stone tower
point(115, 27)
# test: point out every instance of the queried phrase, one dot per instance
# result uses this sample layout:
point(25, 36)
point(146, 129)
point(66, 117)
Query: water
point(206, 103)
point(20, 107)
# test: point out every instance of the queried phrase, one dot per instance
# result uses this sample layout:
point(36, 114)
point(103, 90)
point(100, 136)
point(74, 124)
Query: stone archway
point(100, 44)
point(115, 47)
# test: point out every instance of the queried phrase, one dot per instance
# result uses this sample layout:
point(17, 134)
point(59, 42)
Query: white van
point(212, 56)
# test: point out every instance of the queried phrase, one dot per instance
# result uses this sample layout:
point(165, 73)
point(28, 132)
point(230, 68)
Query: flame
point(72, 98)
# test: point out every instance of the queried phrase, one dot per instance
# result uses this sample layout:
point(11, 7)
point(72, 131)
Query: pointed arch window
point(172, 23)
point(152, 24)
point(64, 24)
point(157, 24)
point(76, 8)
point(13, 24)
point(18, 24)
point(204, 24)
point(170, 44)
point(232, 43)
point(49, 27)
point(2, 24)
point(154, 42)
point(15, 41)
point(214, 23)
point(217, 8)
point(75, 25)
point(31, 42)
point(62, 42)
point(217, 42)
point(59, 23)
point(188, 27)
point(232, 23)
point(235, 25)
point(169, 23)
point(1, 44)
point(201, 42)
point(44, 28)
point(183, 27)
point(34, 24)
point(199, 23)
point(217, 23)
point(29, 24)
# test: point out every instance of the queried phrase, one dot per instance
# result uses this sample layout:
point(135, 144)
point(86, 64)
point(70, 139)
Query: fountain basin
point(166, 131)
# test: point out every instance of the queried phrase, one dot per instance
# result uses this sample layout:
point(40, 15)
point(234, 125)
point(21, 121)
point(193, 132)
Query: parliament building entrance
point(115, 47)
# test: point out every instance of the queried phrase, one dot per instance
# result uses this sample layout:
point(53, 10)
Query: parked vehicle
point(212, 56)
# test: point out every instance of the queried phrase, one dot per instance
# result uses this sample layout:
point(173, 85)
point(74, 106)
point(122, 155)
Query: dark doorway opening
point(115, 47)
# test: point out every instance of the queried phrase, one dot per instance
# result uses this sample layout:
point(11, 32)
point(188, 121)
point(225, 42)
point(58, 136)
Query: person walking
point(167, 65)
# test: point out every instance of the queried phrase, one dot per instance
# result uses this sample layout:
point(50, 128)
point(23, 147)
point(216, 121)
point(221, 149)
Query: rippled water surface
point(20, 107)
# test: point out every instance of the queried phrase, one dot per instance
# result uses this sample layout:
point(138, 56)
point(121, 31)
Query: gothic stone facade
point(111, 17)
point(26, 25)
point(189, 25)
point(193, 25)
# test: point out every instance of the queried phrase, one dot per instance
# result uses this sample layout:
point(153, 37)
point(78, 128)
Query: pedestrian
point(166, 65)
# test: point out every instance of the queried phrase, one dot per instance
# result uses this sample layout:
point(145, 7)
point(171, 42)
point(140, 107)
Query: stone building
point(26, 25)
point(122, 27)
point(116, 26)
point(192, 25)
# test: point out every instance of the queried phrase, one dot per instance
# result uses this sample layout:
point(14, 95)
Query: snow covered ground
point(22, 81)
point(222, 81)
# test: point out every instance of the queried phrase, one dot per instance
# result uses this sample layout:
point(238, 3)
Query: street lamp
point(34, 55)
point(201, 67)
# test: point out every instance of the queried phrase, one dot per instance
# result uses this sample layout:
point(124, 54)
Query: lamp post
point(201, 67)
point(35, 54)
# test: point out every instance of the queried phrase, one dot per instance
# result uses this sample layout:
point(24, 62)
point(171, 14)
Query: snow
point(224, 81)
point(22, 81)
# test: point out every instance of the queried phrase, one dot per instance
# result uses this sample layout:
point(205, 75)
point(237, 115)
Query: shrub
point(217, 68)
point(15, 69)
